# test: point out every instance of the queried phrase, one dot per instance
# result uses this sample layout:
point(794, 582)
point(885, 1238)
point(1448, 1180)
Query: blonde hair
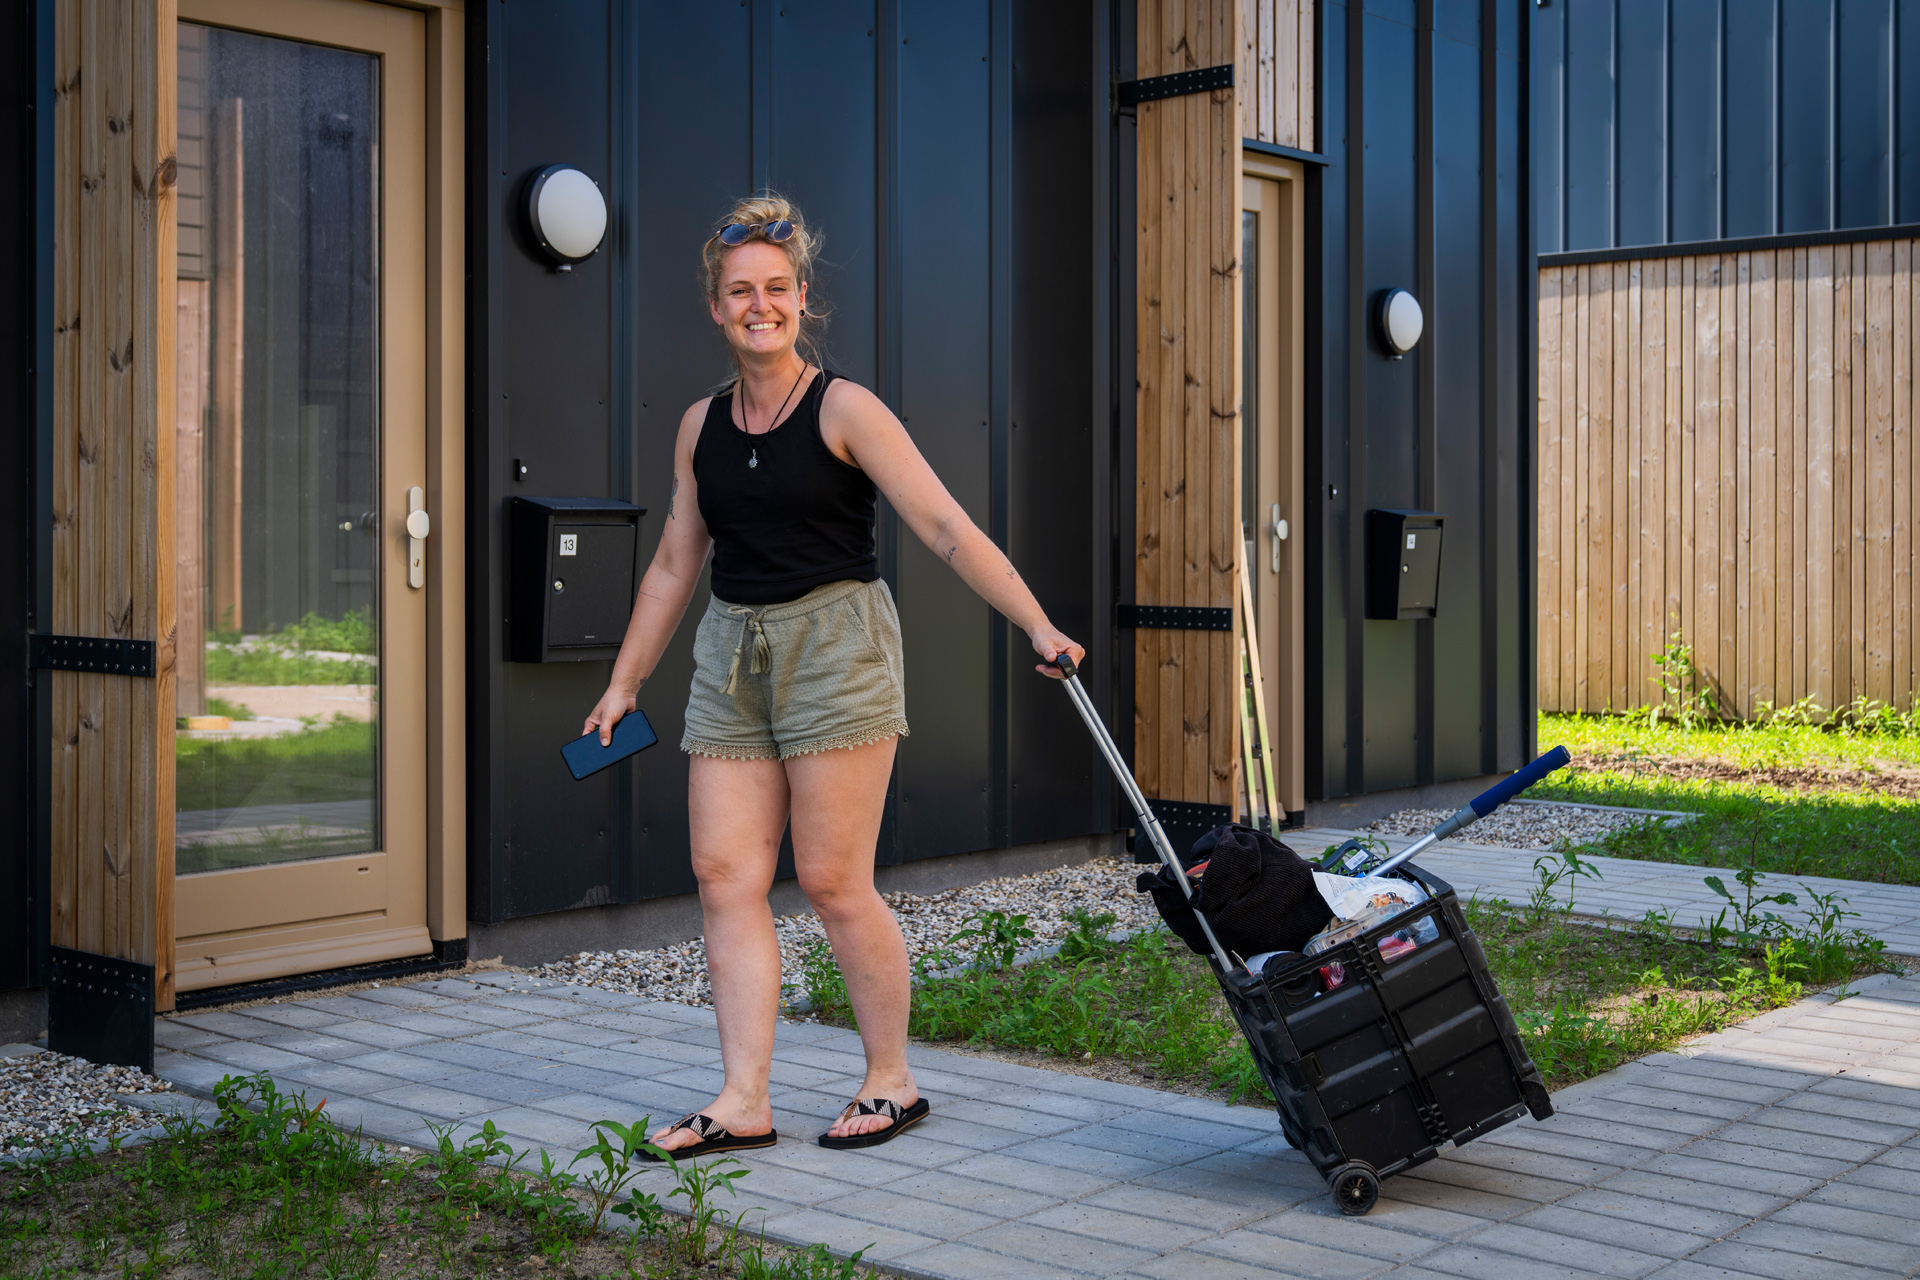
point(802, 249)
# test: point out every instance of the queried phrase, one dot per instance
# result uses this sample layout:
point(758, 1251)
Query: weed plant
point(1587, 997)
point(273, 1188)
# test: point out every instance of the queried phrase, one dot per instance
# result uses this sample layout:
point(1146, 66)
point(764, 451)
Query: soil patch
point(1892, 781)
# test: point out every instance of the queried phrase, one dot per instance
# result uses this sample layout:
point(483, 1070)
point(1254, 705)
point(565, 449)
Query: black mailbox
point(572, 571)
point(1403, 564)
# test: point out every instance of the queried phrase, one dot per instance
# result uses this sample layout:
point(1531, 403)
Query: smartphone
point(584, 755)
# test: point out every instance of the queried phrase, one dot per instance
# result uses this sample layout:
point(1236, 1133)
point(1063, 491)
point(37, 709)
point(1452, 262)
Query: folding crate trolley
point(1405, 1054)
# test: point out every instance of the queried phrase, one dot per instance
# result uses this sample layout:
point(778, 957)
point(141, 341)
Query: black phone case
point(584, 755)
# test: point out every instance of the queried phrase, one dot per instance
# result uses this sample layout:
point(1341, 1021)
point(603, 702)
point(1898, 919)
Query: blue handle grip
point(1507, 788)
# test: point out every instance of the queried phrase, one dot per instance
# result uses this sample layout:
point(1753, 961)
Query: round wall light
point(1399, 321)
point(566, 215)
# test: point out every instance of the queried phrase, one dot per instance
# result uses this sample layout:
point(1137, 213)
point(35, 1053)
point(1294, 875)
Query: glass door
point(299, 839)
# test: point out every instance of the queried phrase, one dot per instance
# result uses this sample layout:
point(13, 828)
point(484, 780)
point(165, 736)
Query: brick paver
point(1788, 1146)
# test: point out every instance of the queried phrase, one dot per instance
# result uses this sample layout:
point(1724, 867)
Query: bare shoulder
point(845, 399)
point(690, 424)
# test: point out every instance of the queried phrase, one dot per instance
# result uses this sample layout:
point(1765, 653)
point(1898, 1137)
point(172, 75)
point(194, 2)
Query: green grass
point(232, 710)
point(261, 665)
point(273, 1188)
point(323, 762)
point(1790, 798)
point(1587, 998)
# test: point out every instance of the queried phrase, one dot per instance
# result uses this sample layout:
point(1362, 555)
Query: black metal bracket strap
point(1176, 617)
point(100, 1008)
point(1180, 83)
point(91, 653)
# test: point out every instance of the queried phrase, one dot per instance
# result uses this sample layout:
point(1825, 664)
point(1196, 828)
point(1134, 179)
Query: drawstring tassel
point(762, 656)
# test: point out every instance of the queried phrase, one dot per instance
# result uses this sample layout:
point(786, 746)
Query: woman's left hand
point(1049, 644)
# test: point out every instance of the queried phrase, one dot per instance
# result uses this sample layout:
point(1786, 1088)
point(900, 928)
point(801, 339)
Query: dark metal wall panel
point(1806, 115)
point(1548, 92)
point(1057, 489)
point(1906, 127)
point(946, 80)
point(1642, 162)
point(1427, 187)
point(1731, 118)
point(20, 899)
point(940, 263)
point(1455, 315)
point(1864, 194)
point(1694, 125)
point(1752, 66)
point(1590, 115)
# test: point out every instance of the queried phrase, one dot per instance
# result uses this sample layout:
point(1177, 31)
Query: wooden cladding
point(1274, 71)
point(115, 310)
point(1188, 420)
point(1726, 451)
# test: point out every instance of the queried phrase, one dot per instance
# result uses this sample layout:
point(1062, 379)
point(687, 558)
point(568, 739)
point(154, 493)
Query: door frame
point(438, 810)
point(1281, 426)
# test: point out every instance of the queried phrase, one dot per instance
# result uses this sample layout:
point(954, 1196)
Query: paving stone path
point(1788, 1147)
point(1629, 888)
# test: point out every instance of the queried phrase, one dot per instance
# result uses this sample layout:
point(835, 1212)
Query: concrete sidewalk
point(1629, 888)
point(1787, 1147)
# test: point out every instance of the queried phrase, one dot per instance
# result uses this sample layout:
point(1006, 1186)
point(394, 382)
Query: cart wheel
point(1355, 1189)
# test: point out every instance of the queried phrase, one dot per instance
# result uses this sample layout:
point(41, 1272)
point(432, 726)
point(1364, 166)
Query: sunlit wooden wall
point(1726, 451)
point(115, 309)
point(1274, 72)
point(1187, 424)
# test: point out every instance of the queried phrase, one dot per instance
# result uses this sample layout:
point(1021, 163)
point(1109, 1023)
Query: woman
point(797, 700)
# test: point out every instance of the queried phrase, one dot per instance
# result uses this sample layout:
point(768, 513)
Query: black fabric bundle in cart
point(1380, 1048)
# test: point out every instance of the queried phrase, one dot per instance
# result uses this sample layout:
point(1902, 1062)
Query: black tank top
point(786, 515)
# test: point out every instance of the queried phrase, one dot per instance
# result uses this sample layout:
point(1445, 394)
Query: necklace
point(746, 424)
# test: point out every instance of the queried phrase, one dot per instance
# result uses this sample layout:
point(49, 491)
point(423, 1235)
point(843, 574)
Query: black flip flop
point(902, 1118)
point(712, 1139)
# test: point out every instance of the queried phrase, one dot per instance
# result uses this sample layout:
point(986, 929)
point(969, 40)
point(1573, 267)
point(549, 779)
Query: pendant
point(754, 461)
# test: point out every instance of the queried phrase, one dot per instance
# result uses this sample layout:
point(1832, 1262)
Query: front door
point(300, 826)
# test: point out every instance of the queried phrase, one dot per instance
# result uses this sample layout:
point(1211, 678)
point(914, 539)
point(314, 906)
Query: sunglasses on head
point(737, 233)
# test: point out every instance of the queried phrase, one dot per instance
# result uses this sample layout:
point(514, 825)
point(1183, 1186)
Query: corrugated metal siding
point(1670, 121)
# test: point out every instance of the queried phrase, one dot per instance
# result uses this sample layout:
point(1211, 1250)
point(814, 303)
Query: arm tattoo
point(671, 496)
point(950, 550)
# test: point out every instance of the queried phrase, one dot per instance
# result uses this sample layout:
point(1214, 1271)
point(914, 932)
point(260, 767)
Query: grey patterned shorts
point(784, 680)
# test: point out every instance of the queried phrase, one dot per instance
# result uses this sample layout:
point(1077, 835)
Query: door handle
point(418, 527)
point(1279, 531)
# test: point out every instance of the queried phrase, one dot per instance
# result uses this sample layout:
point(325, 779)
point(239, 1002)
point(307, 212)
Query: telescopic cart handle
point(1481, 805)
point(1148, 825)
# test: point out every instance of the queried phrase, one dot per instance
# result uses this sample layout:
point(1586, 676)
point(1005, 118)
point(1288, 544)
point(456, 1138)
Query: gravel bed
point(679, 973)
point(42, 1094)
point(1517, 826)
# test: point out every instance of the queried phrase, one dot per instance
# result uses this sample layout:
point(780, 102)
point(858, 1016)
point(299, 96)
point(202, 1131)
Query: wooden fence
point(1726, 452)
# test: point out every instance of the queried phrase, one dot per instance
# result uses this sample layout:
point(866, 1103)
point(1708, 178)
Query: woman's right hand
point(613, 706)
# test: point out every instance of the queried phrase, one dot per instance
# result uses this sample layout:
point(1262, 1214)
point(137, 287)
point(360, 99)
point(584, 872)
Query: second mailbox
point(573, 569)
point(1403, 564)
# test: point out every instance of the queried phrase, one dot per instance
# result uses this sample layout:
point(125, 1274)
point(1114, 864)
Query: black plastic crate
point(1406, 1055)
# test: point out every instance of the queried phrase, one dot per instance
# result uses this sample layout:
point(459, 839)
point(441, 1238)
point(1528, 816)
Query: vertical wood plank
point(68, 355)
point(1838, 545)
point(1582, 487)
point(1193, 438)
point(1547, 515)
point(1818, 539)
point(1631, 530)
point(1286, 72)
point(1618, 537)
point(1805, 289)
point(1223, 418)
point(1251, 72)
point(1653, 362)
point(1877, 505)
point(1759, 634)
point(1786, 615)
point(1728, 486)
point(1304, 45)
point(1677, 543)
point(1152, 335)
point(1855, 529)
point(1902, 478)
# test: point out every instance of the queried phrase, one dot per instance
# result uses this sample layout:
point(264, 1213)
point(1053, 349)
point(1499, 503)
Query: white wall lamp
point(1398, 320)
point(566, 215)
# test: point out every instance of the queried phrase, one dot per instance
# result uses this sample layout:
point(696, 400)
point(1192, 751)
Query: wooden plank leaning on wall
point(115, 303)
point(1778, 442)
point(1189, 200)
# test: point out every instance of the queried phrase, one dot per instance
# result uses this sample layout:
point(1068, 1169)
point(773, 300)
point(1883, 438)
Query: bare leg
point(738, 808)
point(837, 799)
